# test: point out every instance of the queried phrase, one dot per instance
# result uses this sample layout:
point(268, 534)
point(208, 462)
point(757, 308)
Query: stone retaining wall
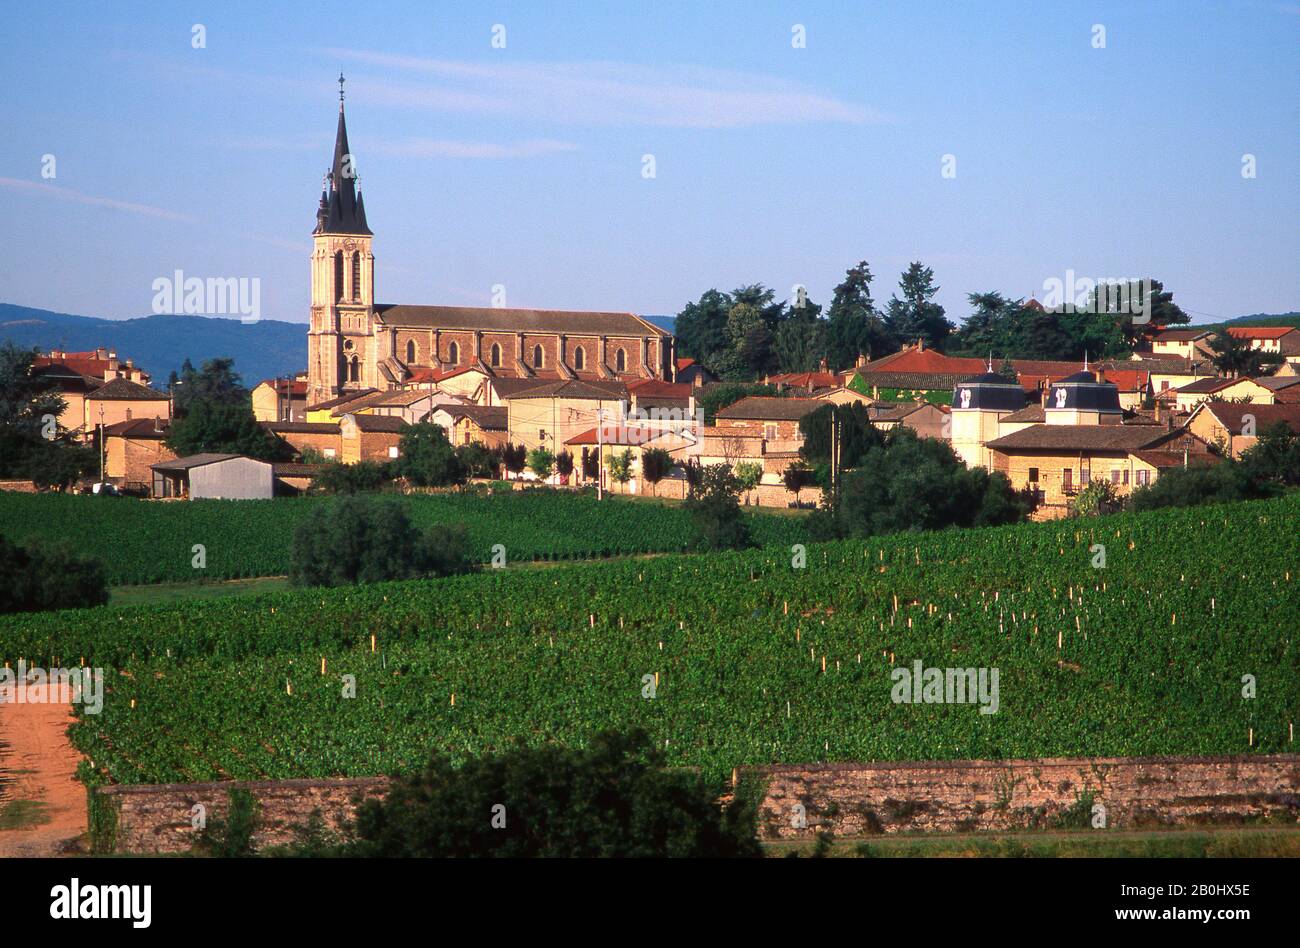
point(158, 818)
point(965, 796)
point(845, 799)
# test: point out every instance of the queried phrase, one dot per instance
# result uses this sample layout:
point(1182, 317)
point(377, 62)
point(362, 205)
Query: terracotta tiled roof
point(492, 418)
point(1232, 415)
point(340, 399)
point(295, 388)
point(492, 319)
point(123, 390)
point(154, 429)
point(301, 427)
point(1033, 414)
point(1206, 386)
point(1082, 438)
point(376, 423)
point(770, 408)
point(1260, 332)
point(658, 388)
point(576, 389)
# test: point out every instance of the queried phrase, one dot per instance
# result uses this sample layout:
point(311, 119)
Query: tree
point(32, 444)
point(715, 510)
point(915, 316)
point(614, 798)
point(796, 477)
point(856, 433)
point(655, 465)
point(426, 458)
point(854, 326)
point(1275, 457)
point(801, 340)
point(224, 428)
point(590, 464)
point(748, 475)
point(564, 464)
point(1235, 357)
point(36, 576)
point(541, 462)
point(477, 460)
point(701, 329)
point(514, 457)
point(359, 539)
point(217, 382)
point(620, 466)
point(912, 483)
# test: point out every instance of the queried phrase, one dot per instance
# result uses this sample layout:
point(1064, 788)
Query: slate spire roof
point(344, 210)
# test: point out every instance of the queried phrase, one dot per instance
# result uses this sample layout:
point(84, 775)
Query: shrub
point(427, 459)
point(913, 483)
point(1189, 486)
point(715, 511)
point(362, 540)
point(541, 462)
point(37, 576)
point(620, 466)
point(796, 477)
point(655, 465)
point(338, 478)
point(1098, 497)
point(614, 798)
point(564, 463)
point(748, 475)
point(477, 460)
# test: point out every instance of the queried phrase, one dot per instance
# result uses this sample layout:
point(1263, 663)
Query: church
point(356, 344)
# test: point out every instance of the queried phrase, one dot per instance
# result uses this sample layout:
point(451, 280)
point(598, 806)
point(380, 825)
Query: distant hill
point(161, 343)
point(1259, 319)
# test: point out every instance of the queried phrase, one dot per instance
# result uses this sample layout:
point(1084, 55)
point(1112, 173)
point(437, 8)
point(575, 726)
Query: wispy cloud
point(423, 147)
point(602, 93)
point(68, 194)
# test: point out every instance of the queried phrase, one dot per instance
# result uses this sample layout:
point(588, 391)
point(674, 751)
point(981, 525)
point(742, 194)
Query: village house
point(131, 448)
point(1189, 396)
point(473, 424)
point(1182, 343)
point(547, 415)
point(1236, 427)
point(280, 400)
point(1283, 340)
point(313, 438)
point(370, 437)
point(77, 376)
point(123, 400)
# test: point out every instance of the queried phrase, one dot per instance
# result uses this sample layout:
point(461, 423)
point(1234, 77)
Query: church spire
point(345, 214)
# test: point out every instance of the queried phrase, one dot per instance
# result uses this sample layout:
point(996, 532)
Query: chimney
point(821, 366)
point(1157, 409)
point(862, 360)
point(920, 345)
point(1101, 374)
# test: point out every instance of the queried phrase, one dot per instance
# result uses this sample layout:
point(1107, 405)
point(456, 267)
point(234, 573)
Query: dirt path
point(42, 805)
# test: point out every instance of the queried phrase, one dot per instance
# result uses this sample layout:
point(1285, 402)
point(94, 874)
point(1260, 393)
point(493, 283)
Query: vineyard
point(149, 542)
point(748, 659)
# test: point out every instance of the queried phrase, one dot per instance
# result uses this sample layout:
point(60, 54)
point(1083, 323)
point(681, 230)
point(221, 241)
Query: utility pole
point(101, 445)
point(600, 452)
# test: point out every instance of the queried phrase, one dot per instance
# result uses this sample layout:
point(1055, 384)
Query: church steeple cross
point(341, 81)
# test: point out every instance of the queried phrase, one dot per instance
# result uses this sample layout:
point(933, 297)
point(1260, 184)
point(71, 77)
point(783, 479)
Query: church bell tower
point(341, 343)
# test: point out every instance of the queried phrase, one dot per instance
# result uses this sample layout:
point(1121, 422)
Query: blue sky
point(522, 166)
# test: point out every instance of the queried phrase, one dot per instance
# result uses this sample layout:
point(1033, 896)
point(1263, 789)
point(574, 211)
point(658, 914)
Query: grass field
point(1244, 843)
point(752, 660)
point(144, 542)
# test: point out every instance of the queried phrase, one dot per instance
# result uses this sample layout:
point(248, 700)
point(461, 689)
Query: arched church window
point(354, 370)
point(496, 355)
point(356, 276)
point(620, 361)
point(537, 357)
point(453, 354)
point(579, 358)
point(410, 352)
point(338, 276)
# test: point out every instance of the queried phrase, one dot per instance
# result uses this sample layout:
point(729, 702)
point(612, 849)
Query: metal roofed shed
point(214, 476)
